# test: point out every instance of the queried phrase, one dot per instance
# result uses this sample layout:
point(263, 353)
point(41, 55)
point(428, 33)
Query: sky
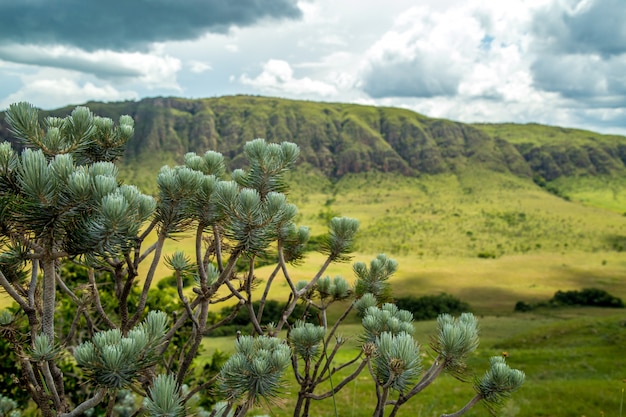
point(556, 62)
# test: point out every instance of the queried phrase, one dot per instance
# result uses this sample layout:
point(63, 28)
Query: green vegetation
point(429, 307)
point(586, 297)
point(62, 202)
point(488, 214)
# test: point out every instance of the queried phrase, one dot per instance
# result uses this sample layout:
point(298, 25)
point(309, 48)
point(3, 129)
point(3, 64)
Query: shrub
point(590, 297)
point(429, 307)
point(587, 297)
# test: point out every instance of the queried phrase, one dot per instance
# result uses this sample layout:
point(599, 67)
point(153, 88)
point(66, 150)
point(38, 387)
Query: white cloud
point(277, 78)
point(198, 67)
point(425, 54)
point(51, 92)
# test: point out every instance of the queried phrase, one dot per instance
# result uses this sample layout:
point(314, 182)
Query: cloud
point(198, 67)
point(582, 27)
point(153, 70)
point(580, 49)
point(47, 93)
point(425, 54)
point(584, 77)
point(130, 25)
point(277, 78)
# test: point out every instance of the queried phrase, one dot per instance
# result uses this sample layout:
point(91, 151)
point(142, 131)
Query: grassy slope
point(544, 135)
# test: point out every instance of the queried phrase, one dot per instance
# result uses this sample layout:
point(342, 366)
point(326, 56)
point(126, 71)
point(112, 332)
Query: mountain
point(339, 139)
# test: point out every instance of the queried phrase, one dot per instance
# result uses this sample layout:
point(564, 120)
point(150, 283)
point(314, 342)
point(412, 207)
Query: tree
point(61, 201)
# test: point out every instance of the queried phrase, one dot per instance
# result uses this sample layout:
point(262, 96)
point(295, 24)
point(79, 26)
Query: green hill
point(420, 186)
point(339, 139)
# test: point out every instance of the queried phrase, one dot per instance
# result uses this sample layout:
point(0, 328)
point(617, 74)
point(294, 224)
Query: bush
point(590, 297)
point(523, 306)
point(587, 297)
point(430, 306)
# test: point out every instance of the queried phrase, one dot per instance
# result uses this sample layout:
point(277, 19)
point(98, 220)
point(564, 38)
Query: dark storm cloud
point(389, 78)
point(129, 24)
point(589, 28)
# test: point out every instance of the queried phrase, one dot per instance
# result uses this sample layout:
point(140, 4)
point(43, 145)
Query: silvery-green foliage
point(255, 370)
point(338, 244)
point(301, 284)
point(456, 339)
point(125, 403)
point(114, 361)
point(294, 242)
point(374, 279)
point(6, 317)
point(164, 398)
point(306, 339)
point(43, 348)
point(48, 193)
point(366, 301)
point(386, 319)
point(8, 407)
point(177, 187)
point(397, 361)
point(222, 409)
point(268, 164)
point(180, 262)
point(255, 220)
point(499, 381)
point(336, 288)
point(211, 163)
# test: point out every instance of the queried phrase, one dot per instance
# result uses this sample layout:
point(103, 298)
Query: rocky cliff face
point(347, 138)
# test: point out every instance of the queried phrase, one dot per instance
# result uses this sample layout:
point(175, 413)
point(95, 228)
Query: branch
point(466, 408)
point(199, 258)
point(218, 248)
point(86, 405)
point(225, 320)
point(33, 283)
point(340, 367)
point(342, 384)
point(11, 291)
point(98, 302)
point(45, 368)
point(67, 291)
point(259, 314)
point(144, 255)
point(183, 299)
point(430, 375)
point(148, 282)
point(49, 297)
point(148, 230)
point(191, 353)
point(292, 305)
point(200, 387)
